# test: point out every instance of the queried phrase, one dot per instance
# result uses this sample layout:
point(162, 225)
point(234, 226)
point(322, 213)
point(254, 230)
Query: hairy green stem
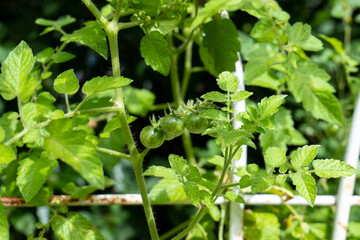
point(119, 99)
point(229, 154)
point(95, 11)
point(174, 74)
point(137, 165)
point(112, 30)
point(117, 11)
point(80, 104)
point(113, 153)
point(199, 215)
point(175, 230)
point(67, 103)
point(222, 221)
point(187, 69)
point(178, 99)
point(189, 152)
point(130, 24)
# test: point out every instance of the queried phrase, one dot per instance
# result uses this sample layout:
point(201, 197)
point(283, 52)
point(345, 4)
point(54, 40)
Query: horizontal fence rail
point(135, 199)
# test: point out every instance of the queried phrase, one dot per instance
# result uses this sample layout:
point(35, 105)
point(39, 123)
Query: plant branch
point(187, 69)
point(122, 26)
point(113, 153)
point(95, 11)
point(117, 11)
point(137, 165)
point(67, 103)
point(199, 215)
point(175, 230)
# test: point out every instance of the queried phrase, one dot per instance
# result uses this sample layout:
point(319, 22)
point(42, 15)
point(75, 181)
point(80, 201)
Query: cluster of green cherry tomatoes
point(170, 127)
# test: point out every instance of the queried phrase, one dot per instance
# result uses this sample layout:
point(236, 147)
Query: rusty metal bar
point(135, 199)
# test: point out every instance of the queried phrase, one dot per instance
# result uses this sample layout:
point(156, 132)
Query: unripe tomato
point(195, 123)
point(172, 126)
point(151, 137)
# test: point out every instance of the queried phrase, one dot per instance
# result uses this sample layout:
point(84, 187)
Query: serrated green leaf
point(214, 114)
point(269, 106)
point(192, 192)
point(15, 72)
point(11, 124)
point(138, 101)
point(303, 156)
point(262, 58)
point(212, 7)
point(61, 57)
point(92, 35)
point(220, 46)
point(167, 190)
point(179, 164)
point(34, 113)
point(62, 21)
point(66, 82)
point(194, 175)
point(155, 52)
point(71, 147)
point(240, 95)
point(260, 182)
point(229, 137)
point(308, 83)
point(261, 226)
point(227, 81)
point(263, 30)
point(283, 132)
point(78, 192)
point(74, 226)
point(42, 197)
point(100, 84)
point(32, 174)
point(45, 55)
point(299, 34)
point(335, 43)
point(275, 157)
point(166, 24)
point(160, 171)
point(214, 96)
point(331, 168)
point(234, 197)
point(151, 8)
point(305, 185)
point(7, 154)
point(245, 181)
point(2, 134)
point(114, 124)
point(216, 160)
point(4, 224)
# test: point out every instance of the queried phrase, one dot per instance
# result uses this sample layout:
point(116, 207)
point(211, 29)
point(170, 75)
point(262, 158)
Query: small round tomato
point(151, 137)
point(194, 123)
point(172, 126)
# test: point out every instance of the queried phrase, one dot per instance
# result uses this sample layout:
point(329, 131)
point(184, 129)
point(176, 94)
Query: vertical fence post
point(237, 209)
point(346, 187)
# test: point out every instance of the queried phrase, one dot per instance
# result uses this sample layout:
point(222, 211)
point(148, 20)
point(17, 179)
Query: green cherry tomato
point(172, 126)
point(151, 137)
point(195, 123)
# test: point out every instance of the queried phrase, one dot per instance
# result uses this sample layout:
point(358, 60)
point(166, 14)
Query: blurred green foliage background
point(17, 22)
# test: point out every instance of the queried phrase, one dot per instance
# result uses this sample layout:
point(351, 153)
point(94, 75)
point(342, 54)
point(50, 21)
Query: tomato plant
point(68, 131)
